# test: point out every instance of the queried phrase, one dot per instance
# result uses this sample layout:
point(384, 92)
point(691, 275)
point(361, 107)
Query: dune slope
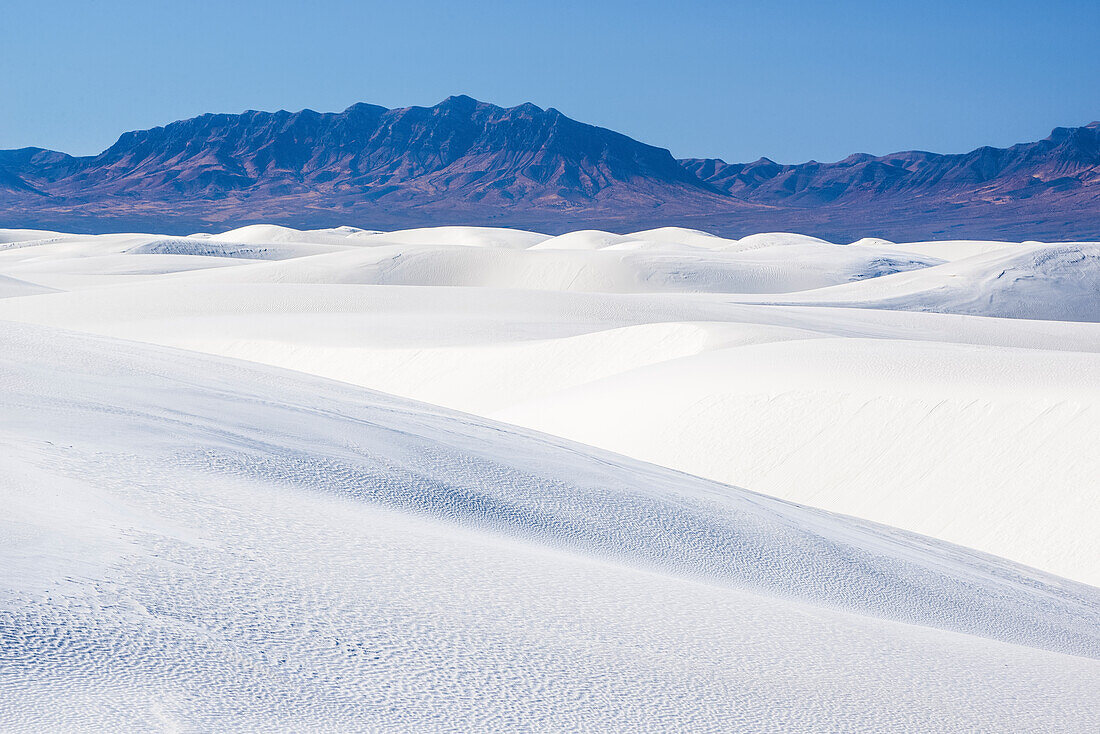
point(203, 543)
point(877, 379)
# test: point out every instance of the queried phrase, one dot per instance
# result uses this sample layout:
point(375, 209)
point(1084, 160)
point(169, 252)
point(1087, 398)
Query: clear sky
point(736, 80)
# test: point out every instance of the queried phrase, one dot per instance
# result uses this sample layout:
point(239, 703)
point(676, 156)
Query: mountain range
point(468, 162)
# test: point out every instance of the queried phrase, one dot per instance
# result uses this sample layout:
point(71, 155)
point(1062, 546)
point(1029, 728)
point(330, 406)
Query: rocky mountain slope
point(468, 162)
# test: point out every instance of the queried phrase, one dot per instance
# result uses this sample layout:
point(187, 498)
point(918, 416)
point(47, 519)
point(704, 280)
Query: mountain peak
point(459, 101)
point(533, 109)
point(360, 107)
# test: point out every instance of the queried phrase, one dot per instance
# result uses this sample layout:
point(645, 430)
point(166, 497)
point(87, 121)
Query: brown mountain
point(467, 162)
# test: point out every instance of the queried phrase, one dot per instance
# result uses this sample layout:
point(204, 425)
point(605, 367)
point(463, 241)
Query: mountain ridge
point(463, 161)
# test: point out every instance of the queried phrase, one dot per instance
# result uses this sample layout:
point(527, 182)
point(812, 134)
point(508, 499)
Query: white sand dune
point(1030, 281)
point(610, 270)
point(206, 540)
point(10, 287)
point(945, 249)
point(235, 547)
point(531, 335)
point(990, 447)
point(480, 237)
point(271, 233)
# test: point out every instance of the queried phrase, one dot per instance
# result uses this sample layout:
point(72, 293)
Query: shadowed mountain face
point(461, 158)
point(467, 162)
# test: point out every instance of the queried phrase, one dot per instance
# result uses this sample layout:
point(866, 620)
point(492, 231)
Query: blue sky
point(737, 80)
